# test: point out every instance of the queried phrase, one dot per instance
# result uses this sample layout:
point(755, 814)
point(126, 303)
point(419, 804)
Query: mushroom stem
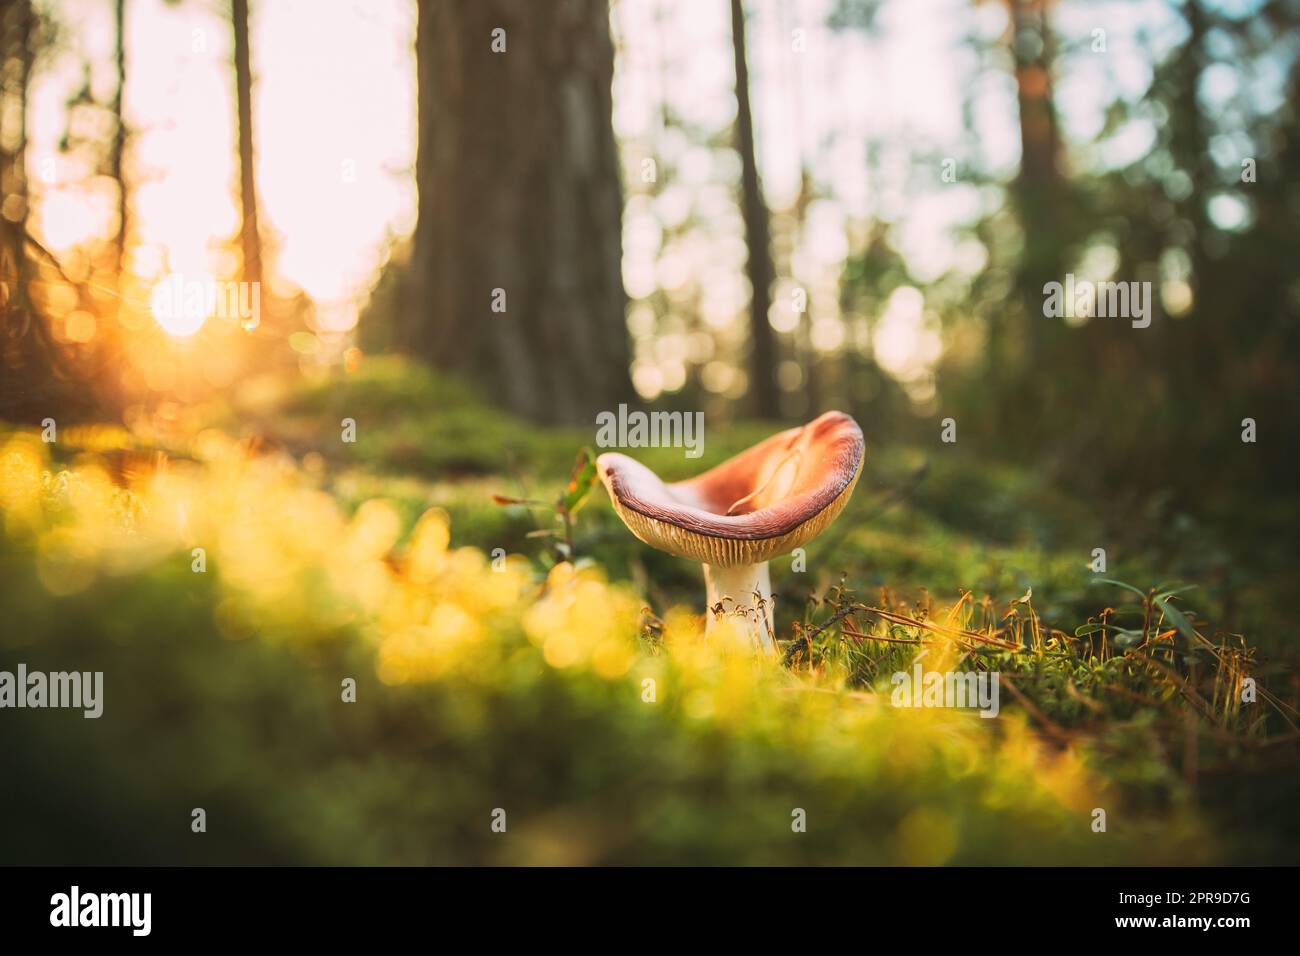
point(744, 592)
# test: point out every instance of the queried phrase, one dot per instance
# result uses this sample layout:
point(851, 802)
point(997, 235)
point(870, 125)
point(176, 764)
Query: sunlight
point(906, 343)
point(177, 315)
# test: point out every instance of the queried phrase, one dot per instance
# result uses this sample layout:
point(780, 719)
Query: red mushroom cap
point(765, 501)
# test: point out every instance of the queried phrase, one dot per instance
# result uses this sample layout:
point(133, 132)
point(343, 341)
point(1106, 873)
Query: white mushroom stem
point(743, 594)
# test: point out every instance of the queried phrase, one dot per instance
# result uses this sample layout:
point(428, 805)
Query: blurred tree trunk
point(250, 238)
point(763, 383)
point(516, 271)
point(1037, 187)
point(17, 20)
point(1032, 49)
point(35, 376)
point(118, 147)
point(25, 359)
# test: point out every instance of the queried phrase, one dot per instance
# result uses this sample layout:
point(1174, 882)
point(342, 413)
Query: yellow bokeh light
point(79, 327)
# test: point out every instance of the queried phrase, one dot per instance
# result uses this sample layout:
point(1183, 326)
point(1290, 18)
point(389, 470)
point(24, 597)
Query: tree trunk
point(26, 362)
point(516, 272)
point(249, 237)
point(17, 20)
point(35, 378)
point(118, 147)
point(763, 383)
point(1037, 188)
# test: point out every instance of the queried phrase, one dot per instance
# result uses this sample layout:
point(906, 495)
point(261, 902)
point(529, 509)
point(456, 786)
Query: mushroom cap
point(765, 501)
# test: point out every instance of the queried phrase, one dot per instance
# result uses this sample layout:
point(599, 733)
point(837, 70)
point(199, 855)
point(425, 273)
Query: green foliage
point(524, 689)
point(581, 480)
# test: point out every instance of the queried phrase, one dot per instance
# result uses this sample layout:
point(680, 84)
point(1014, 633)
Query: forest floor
point(243, 573)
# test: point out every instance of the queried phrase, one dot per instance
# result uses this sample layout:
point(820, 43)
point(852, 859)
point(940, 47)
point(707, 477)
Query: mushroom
point(766, 501)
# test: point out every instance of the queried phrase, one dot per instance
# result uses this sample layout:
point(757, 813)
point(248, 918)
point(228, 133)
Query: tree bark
point(249, 237)
point(520, 192)
point(763, 384)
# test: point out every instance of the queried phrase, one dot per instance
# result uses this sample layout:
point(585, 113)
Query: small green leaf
point(581, 480)
point(1119, 584)
point(1178, 618)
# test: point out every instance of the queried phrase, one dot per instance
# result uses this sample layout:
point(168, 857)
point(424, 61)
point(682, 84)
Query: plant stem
point(744, 593)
